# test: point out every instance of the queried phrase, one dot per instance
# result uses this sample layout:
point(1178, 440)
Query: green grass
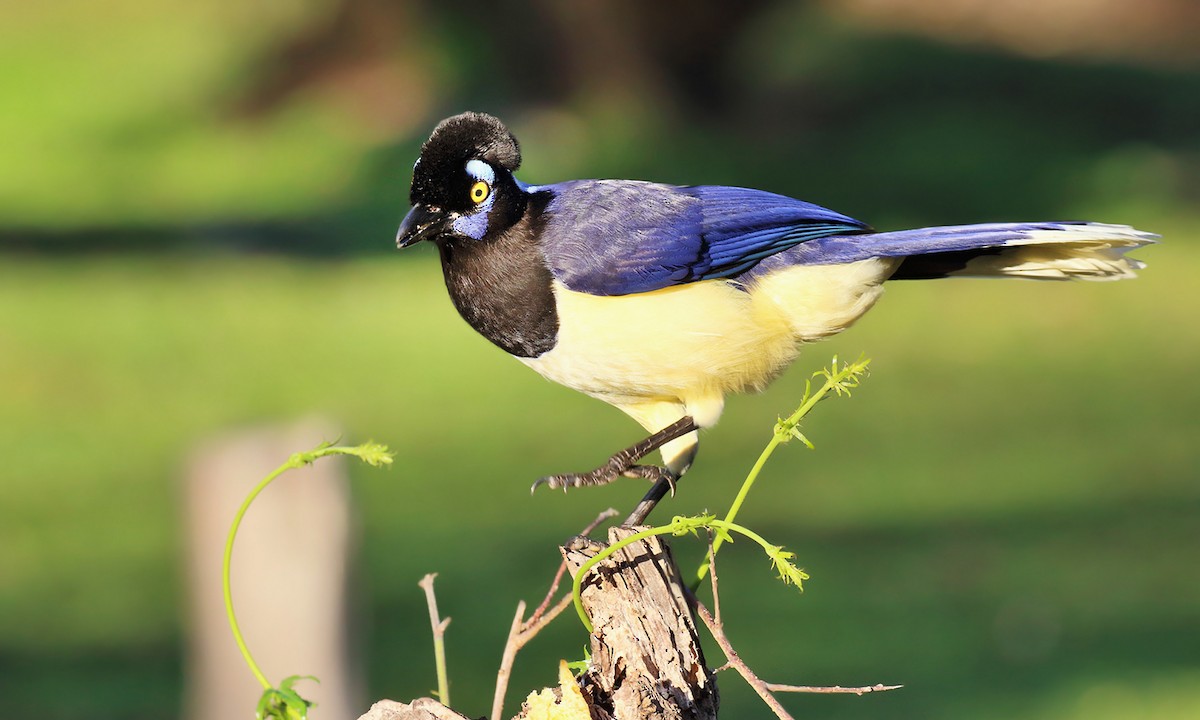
point(1003, 517)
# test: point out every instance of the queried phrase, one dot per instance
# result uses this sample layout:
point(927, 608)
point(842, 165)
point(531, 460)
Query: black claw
point(559, 482)
point(600, 476)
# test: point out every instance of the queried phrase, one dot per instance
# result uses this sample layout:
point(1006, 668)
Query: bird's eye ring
point(480, 191)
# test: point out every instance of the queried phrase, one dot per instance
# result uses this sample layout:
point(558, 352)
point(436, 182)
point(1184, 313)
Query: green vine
point(839, 380)
point(781, 559)
point(284, 703)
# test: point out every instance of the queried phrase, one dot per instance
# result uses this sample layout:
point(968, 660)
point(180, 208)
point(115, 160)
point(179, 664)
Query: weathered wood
point(419, 709)
point(646, 655)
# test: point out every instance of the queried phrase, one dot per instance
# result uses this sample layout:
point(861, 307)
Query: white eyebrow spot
point(480, 170)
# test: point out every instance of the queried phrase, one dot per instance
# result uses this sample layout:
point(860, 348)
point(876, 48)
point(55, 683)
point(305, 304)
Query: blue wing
point(618, 237)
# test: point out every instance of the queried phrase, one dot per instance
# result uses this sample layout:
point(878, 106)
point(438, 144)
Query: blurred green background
point(197, 210)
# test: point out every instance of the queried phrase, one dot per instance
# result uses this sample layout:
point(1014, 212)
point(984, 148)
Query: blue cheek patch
point(475, 224)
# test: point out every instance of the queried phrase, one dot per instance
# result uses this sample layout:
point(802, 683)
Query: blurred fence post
point(289, 574)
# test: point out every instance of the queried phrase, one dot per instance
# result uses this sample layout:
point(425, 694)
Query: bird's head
point(463, 185)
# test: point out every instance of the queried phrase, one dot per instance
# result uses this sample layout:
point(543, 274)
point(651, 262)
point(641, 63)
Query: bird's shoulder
point(617, 237)
point(627, 203)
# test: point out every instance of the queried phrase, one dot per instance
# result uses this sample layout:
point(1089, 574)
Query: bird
point(663, 299)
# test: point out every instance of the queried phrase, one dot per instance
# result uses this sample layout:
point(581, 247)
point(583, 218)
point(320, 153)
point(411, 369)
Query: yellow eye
point(480, 192)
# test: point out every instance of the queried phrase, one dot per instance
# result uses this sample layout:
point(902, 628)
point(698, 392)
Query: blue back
point(617, 237)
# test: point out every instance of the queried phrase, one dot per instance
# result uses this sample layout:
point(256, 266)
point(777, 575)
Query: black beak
point(421, 223)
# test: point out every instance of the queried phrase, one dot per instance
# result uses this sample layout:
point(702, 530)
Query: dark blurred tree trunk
point(366, 55)
point(378, 57)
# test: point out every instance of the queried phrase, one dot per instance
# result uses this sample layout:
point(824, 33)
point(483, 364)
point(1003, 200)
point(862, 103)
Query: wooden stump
point(646, 656)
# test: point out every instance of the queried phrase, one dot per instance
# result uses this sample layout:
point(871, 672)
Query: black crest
point(469, 136)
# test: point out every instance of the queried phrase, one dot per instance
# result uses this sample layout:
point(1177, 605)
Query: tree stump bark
point(646, 655)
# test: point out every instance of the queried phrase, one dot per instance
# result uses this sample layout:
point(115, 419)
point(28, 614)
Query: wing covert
point(618, 237)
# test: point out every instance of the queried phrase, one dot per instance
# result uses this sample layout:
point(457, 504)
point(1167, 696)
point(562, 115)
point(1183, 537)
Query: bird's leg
point(623, 463)
point(657, 492)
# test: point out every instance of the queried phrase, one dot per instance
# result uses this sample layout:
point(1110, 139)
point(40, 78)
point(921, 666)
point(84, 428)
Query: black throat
point(502, 287)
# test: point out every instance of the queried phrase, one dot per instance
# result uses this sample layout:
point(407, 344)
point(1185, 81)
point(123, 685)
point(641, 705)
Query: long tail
point(1042, 251)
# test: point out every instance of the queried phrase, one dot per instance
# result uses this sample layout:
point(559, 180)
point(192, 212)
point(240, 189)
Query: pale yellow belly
point(690, 345)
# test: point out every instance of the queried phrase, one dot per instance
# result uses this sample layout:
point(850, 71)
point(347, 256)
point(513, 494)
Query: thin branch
point(831, 689)
point(558, 576)
point(608, 514)
point(562, 566)
point(763, 688)
point(534, 625)
point(506, 661)
point(439, 634)
point(735, 660)
point(518, 636)
point(712, 568)
point(522, 631)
